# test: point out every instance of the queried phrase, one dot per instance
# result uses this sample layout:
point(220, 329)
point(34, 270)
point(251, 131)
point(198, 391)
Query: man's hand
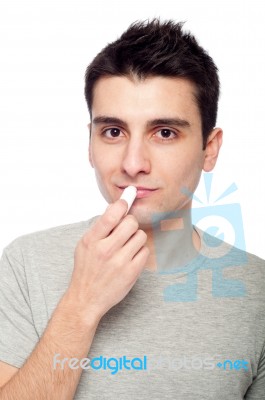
point(109, 258)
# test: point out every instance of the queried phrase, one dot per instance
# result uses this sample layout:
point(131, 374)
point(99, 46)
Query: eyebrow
point(103, 119)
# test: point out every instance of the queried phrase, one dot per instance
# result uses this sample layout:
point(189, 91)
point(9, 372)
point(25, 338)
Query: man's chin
point(147, 219)
point(143, 217)
point(151, 218)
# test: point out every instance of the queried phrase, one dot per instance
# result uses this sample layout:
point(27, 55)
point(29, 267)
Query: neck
point(172, 240)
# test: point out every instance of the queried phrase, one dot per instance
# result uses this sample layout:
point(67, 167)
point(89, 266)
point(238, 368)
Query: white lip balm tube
point(129, 195)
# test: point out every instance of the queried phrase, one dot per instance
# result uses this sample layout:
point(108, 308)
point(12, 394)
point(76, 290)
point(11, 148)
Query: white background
point(45, 177)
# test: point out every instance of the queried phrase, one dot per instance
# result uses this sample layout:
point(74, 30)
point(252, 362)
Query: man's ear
point(89, 146)
point(213, 146)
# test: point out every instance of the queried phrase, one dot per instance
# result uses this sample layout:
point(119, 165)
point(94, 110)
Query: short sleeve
point(257, 389)
point(18, 335)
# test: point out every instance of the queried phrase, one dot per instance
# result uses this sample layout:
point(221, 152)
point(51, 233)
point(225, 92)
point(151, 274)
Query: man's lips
point(142, 191)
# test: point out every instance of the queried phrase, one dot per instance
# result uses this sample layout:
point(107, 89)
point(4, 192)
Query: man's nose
point(136, 158)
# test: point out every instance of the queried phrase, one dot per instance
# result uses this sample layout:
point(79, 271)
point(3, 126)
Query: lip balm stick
point(129, 195)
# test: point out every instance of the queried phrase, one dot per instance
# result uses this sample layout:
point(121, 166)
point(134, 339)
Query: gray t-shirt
point(197, 332)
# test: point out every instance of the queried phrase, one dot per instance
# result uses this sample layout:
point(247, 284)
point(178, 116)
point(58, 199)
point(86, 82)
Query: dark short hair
point(153, 48)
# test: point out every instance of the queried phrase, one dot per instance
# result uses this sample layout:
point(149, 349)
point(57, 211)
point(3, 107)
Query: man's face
point(147, 134)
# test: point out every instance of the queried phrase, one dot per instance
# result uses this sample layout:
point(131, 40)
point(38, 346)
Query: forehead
point(153, 96)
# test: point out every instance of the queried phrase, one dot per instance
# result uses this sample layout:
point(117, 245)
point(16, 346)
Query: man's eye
point(166, 134)
point(112, 132)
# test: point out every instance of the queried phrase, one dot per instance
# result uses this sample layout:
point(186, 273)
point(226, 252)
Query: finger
point(134, 245)
point(139, 261)
point(109, 220)
point(121, 234)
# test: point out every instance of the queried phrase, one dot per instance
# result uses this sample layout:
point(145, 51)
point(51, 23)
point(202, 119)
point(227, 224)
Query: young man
point(137, 306)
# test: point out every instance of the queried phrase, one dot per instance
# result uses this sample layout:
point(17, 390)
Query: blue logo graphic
point(196, 362)
point(101, 363)
point(215, 222)
point(230, 365)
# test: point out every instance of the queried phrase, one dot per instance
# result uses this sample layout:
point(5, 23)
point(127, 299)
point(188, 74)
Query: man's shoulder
point(62, 235)
point(216, 248)
point(228, 261)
